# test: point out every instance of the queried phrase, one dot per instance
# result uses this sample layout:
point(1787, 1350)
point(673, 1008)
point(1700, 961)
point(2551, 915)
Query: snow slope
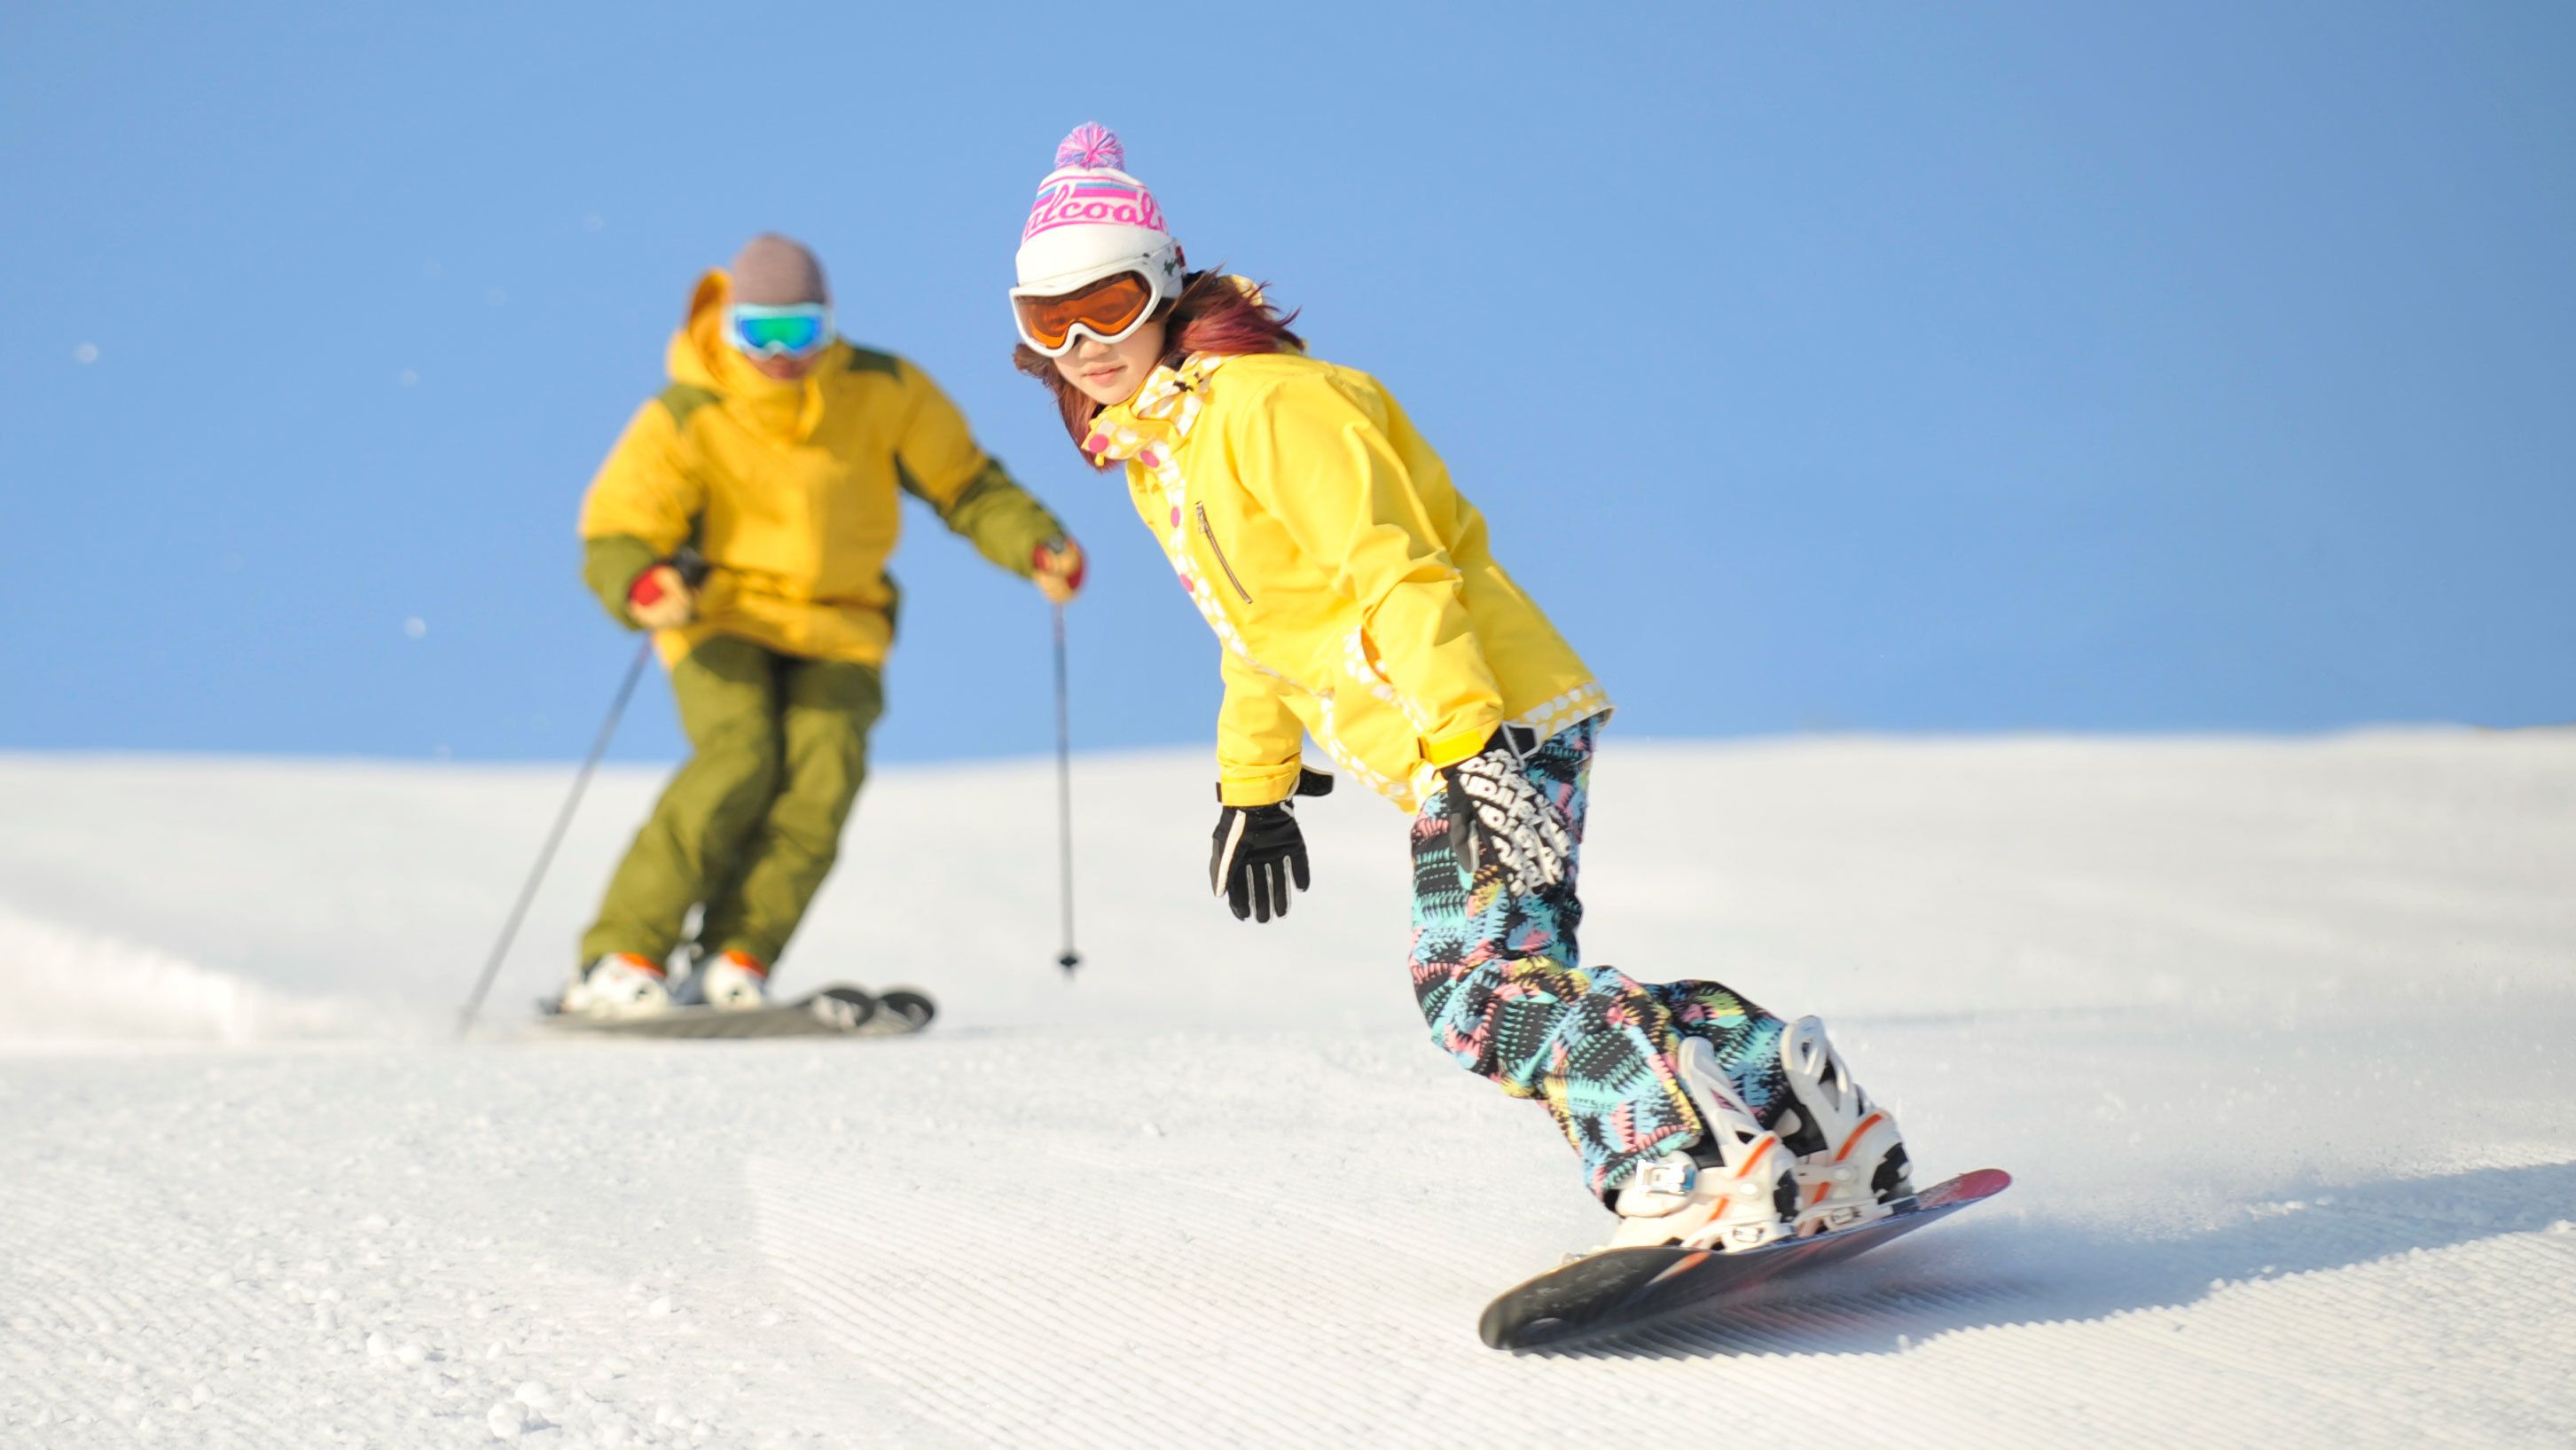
point(2272, 1034)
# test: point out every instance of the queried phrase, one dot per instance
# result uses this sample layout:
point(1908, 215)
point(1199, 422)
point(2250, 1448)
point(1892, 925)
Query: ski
point(839, 1010)
point(1619, 1289)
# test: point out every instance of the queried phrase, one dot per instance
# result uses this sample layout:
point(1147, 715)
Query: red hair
point(1213, 314)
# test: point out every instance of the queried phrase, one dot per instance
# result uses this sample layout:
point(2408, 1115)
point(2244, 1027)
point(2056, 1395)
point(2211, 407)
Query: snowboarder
point(773, 462)
point(1355, 598)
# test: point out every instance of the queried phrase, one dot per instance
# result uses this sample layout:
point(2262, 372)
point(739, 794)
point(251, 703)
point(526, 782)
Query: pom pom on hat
point(1092, 147)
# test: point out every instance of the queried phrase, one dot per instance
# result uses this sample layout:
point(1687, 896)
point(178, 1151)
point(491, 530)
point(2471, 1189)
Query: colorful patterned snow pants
point(1500, 980)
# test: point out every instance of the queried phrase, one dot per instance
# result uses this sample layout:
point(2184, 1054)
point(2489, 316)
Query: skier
point(775, 457)
point(1355, 598)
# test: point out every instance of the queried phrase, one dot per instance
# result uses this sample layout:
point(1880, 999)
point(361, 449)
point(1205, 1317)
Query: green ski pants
point(750, 825)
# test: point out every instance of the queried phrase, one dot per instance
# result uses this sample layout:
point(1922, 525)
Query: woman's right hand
point(1258, 851)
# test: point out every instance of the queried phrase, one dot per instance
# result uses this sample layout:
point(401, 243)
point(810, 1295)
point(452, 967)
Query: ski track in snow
point(2270, 1032)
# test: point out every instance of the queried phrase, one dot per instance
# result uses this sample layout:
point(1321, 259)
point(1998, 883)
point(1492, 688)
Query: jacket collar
point(1163, 410)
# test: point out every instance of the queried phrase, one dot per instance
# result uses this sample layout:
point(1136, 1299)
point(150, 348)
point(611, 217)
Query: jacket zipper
point(1210, 531)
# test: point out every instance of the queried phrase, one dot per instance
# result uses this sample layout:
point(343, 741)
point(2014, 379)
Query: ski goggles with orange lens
point(800, 329)
point(1109, 310)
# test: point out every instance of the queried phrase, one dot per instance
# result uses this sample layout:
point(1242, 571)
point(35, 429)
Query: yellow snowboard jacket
point(1348, 581)
point(791, 492)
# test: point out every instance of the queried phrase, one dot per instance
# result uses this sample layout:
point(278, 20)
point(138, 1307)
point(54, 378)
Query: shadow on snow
point(1992, 1275)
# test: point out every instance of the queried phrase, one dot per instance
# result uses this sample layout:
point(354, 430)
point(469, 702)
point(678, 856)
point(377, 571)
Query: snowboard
point(1624, 1288)
point(839, 1010)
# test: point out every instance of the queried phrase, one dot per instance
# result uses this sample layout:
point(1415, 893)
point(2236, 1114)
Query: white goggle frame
point(1162, 268)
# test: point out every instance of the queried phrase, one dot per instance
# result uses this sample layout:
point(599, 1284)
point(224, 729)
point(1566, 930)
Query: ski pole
point(554, 838)
point(1069, 958)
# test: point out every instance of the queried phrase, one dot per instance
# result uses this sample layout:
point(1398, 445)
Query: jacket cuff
point(1448, 750)
point(1258, 786)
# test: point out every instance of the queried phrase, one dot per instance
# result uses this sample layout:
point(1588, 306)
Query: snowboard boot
point(621, 984)
point(1851, 1156)
point(734, 982)
point(1735, 1189)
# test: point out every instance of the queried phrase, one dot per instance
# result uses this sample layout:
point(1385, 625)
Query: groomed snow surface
point(2274, 1036)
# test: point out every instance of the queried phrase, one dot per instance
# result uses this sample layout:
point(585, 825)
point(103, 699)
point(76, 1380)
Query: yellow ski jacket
point(791, 492)
point(1348, 581)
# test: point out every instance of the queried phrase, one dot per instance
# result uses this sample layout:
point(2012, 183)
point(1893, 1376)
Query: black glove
point(1258, 850)
point(1496, 814)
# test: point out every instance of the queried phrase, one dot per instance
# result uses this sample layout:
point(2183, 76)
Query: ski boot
point(1735, 1189)
point(621, 984)
point(732, 982)
point(1851, 1156)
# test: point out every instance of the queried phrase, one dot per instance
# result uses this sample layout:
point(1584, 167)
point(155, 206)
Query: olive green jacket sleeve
point(610, 565)
point(939, 463)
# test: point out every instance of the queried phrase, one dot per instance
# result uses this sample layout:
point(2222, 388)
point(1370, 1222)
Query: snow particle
point(593, 222)
point(85, 354)
point(408, 378)
point(505, 1420)
point(415, 627)
point(660, 1306)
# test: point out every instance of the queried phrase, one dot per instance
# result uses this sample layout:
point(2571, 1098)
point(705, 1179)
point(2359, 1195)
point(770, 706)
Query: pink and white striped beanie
point(1092, 219)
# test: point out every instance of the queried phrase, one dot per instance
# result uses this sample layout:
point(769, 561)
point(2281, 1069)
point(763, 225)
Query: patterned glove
point(1258, 850)
point(1497, 814)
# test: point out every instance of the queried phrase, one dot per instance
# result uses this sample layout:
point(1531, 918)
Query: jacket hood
point(700, 357)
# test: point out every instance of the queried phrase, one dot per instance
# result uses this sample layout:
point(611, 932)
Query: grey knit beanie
point(772, 271)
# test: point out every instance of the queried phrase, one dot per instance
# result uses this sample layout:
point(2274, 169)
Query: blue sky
point(1958, 368)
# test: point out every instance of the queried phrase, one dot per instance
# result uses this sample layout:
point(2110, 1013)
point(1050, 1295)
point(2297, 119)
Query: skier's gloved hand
point(1496, 814)
point(1259, 850)
point(1059, 564)
point(660, 599)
